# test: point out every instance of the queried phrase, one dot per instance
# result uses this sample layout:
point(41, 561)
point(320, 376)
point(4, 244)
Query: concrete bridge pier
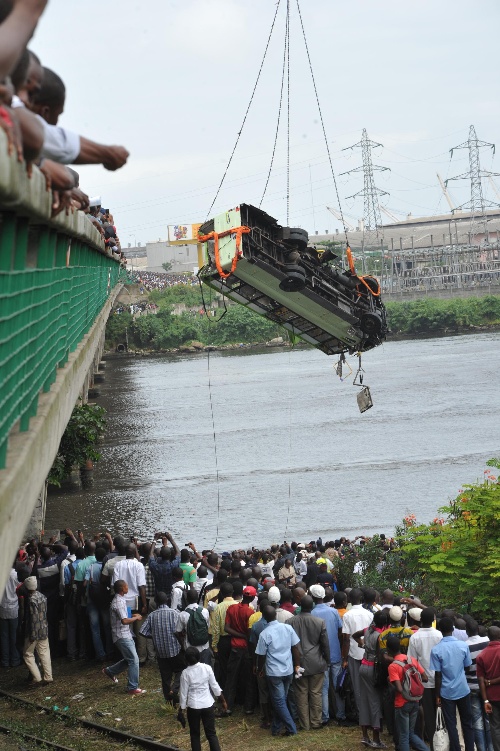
point(36, 524)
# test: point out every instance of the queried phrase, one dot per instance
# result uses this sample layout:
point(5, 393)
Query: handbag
point(440, 741)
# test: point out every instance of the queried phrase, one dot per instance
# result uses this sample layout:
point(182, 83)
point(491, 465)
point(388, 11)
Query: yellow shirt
point(254, 618)
point(218, 620)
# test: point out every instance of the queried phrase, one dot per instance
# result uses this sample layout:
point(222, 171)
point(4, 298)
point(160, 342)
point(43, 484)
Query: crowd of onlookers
point(149, 280)
point(32, 99)
point(274, 631)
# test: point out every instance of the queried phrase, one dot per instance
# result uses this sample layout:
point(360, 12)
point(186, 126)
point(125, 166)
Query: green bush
point(431, 315)
point(79, 441)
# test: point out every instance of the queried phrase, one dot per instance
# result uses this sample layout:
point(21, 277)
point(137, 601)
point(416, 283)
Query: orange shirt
point(396, 674)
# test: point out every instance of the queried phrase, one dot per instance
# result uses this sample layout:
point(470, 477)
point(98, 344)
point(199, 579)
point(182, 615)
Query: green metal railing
point(55, 277)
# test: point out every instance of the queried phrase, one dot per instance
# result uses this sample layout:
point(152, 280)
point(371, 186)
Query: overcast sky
point(171, 79)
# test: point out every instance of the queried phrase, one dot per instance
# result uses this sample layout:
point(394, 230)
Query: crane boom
point(338, 215)
point(390, 214)
point(446, 192)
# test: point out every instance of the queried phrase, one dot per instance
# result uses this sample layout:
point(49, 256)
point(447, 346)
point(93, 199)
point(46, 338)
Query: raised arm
point(16, 31)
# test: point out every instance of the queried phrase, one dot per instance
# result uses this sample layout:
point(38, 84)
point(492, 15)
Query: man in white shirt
point(182, 631)
point(132, 571)
point(419, 647)
point(355, 619)
point(197, 691)
point(178, 588)
point(9, 612)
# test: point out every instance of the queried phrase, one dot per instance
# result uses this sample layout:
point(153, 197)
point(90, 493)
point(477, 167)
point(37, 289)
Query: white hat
point(415, 613)
point(31, 583)
point(95, 201)
point(274, 595)
point(316, 590)
point(395, 613)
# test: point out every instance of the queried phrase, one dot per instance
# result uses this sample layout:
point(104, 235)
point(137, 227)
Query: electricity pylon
point(478, 204)
point(372, 220)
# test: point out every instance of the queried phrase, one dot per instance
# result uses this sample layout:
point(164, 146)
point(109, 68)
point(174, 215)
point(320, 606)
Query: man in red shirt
point(239, 666)
point(488, 675)
point(405, 711)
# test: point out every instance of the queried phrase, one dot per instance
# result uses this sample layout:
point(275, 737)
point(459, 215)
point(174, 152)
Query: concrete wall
point(182, 257)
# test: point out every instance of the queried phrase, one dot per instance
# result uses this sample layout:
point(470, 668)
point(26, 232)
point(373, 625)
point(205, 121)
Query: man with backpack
point(179, 590)
point(192, 628)
point(161, 626)
point(408, 678)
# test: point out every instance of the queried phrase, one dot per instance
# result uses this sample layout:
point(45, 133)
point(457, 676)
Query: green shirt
point(189, 573)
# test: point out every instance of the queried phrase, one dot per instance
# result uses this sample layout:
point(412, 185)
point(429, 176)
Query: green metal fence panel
point(55, 278)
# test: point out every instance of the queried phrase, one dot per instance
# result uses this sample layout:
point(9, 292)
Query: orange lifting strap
point(362, 279)
point(238, 231)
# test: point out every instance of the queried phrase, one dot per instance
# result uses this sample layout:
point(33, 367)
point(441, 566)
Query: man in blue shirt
point(333, 624)
point(448, 659)
point(275, 648)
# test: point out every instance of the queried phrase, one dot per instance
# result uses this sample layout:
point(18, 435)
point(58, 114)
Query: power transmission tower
point(477, 204)
point(372, 220)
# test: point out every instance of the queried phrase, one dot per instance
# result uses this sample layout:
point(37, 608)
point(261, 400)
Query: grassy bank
point(144, 715)
point(240, 325)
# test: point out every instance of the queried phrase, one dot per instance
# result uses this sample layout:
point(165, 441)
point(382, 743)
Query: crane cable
point(215, 449)
point(283, 70)
point(322, 121)
point(247, 111)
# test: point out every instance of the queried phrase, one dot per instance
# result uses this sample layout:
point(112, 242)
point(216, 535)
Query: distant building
point(183, 258)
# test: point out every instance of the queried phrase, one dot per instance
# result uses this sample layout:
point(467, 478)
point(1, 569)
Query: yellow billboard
point(179, 233)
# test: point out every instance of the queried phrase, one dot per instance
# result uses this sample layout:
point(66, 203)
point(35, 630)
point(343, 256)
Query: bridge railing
point(55, 277)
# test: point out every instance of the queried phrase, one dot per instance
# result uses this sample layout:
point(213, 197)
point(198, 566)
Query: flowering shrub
point(455, 558)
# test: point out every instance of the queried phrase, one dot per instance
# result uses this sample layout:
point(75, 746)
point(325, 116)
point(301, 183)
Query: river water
point(295, 456)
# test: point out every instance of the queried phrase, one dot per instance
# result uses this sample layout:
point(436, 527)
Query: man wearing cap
point(354, 620)
point(239, 666)
point(36, 632)
point(315, 659)
point(419, 647)
point(403, 633)
point(277, 651)
point(333, 625)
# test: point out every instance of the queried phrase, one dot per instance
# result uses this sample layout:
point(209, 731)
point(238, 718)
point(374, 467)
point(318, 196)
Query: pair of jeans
point(480, 723)
point(449, 707)
point(207, 717)
point(278, 692)
point(171, 666)
point(95, 629)
point(331, 675)
point(130, 661)
point(494, 719)
point(405, 718)
point(9, 653)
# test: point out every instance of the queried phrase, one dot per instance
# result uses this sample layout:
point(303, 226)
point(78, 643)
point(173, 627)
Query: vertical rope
point(215, 450)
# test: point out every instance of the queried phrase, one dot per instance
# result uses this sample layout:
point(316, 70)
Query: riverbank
point(197, 347)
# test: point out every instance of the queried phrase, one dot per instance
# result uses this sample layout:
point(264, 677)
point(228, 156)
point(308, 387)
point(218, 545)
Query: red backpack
point(411, 682)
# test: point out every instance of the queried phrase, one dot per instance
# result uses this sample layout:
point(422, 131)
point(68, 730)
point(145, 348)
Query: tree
point(79, 441)
point(167, 266)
